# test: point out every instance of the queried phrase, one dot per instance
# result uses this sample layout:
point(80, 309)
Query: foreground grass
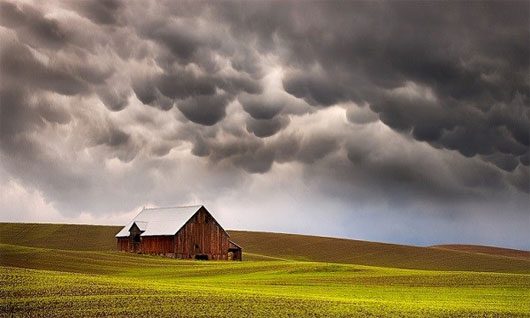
point(50, 282)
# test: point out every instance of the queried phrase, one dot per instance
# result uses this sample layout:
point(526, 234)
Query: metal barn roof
point(160, 221)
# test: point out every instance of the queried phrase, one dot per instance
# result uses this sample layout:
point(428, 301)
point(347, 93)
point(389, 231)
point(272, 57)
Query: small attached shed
point(189, 232)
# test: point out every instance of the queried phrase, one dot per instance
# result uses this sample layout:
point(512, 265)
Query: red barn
point(189, 232)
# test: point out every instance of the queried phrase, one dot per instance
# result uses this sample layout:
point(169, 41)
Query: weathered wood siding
point(123, 244)
point(202, 236)
point(164, 245)
point(234, 252)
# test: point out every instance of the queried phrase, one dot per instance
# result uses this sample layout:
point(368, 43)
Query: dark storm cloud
point(408, 175)
point(22, 153)
point(101, 12)
point(477, 96)
point(318, 90)
point(113, 99)
point(114, 138)
point(471, 69)
point(17, 63)
point(16, 115)
point(266, 127)
point(406, 101)
point(204, 110)
point(260, 107)
point(147, 92)
point(32, 26)
point(360, 115)
point(316, 147)
point(181, 39)
point(185, 84)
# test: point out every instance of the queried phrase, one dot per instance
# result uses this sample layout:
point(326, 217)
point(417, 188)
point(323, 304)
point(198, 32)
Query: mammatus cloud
point(406, 111)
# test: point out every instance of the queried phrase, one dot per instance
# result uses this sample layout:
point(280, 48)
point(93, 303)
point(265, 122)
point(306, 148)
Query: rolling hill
point(279, 246)
point(60, 236)
point(58, 270)
point(489, 250)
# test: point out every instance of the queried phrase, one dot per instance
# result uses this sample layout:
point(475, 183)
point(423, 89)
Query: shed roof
point(160, 221)
point(233, 243)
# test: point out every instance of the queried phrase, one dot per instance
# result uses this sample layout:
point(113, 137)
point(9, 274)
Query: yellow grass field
point(47, 272)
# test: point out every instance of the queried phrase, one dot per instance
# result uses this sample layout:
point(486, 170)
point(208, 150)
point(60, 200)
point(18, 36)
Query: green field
point(71, 270)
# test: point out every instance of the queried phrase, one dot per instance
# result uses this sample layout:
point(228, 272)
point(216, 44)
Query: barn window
point(136, 238)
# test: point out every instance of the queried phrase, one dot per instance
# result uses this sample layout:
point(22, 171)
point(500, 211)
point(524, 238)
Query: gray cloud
point(19, 64)
point(260, 107)
point(379, 49)
point(32, 26)
point(100, 12)
point(204, 110)
point(266, 128)
point(370, 104)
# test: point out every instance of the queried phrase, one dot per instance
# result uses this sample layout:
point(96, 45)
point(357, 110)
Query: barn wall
point(164, 245)
point(235, 255)
point(234, 252)
point(123, 244)
point(202, 236)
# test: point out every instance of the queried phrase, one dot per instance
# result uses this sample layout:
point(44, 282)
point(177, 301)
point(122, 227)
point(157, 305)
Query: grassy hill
point(60, 236)
point(50, 270)
point(324, 249)
point(270, 246)
point(489, 250)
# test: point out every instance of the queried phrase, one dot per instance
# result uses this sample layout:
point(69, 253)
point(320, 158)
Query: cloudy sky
point(403, 122)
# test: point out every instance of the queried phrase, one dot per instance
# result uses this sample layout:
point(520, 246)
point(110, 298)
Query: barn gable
point(141, 225)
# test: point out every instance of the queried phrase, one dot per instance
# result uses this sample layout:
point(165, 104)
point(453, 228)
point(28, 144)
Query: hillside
point(490, 250)
point(325, 249)
point(60, 236)
point(259, 245)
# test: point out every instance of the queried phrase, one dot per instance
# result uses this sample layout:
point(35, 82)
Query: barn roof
point(160, 221)
point(142, 225)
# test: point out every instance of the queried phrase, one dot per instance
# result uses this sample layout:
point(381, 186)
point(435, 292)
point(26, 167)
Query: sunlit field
point(63, 281)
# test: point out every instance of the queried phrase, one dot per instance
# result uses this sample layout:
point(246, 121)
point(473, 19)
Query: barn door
point(136, 240)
